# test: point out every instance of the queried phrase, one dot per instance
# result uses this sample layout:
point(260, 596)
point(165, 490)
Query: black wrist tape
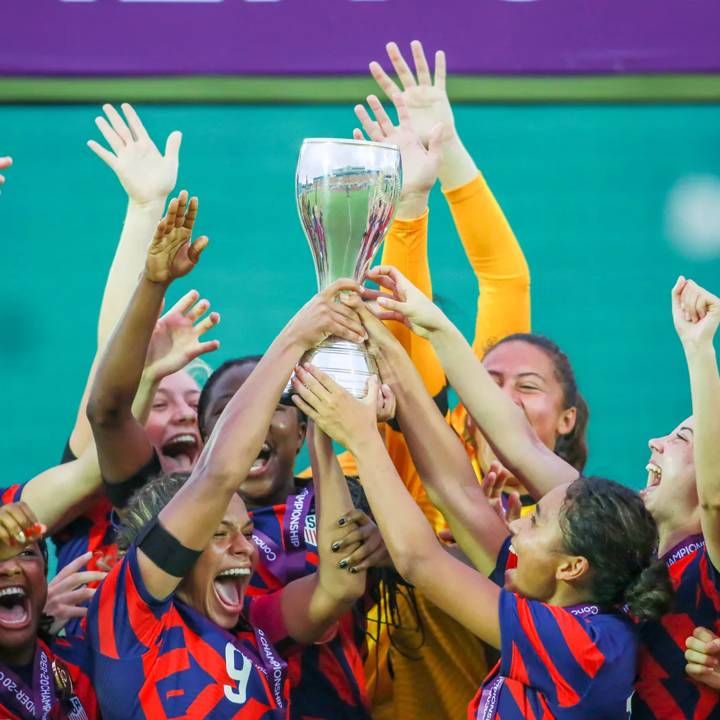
point(165, 550)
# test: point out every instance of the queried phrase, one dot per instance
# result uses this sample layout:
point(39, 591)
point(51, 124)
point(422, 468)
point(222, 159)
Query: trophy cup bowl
point(347, 192)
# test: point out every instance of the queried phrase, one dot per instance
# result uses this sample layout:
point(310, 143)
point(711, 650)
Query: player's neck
point(17, 657)
point(671, 534)
point(567, 595)
point(278, 496)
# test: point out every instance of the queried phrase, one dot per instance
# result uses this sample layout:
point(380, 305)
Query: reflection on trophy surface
point(347, 191)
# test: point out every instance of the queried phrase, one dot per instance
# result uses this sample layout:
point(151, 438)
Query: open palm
point(171, 253)
point(176, 339)
point(426, 99)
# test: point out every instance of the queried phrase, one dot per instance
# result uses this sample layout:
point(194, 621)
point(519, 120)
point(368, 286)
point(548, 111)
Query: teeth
point(183, 439)
point(655, 474)
point(266, 447)
point(234, 572)
point(12, 591)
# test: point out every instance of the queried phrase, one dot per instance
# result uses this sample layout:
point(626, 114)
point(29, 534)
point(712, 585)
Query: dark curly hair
point(571, 447)
point(608, 524)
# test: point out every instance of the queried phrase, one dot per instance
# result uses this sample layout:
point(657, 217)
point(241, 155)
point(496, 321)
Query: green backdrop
point(583, 186)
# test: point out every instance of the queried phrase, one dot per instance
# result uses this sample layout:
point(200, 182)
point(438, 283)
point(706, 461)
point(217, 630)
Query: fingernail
point(341, 521)
point(335, 546)
point(343, 564)
point(353, 570)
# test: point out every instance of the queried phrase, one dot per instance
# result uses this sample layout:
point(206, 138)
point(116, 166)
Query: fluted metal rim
point(347, 141)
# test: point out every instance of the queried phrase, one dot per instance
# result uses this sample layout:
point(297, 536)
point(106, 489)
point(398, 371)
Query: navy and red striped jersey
point(327, 680)
point(556, 662)
point(663, 689)
point(162, 659)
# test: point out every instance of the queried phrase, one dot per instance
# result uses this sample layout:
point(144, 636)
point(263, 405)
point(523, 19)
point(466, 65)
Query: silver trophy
point(347, 191)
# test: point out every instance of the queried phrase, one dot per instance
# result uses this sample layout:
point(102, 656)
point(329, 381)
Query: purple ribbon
point(683, 549)
point(38, 701)
point(287, 562)
point(489, 698)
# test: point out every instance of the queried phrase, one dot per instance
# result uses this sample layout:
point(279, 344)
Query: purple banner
point(257, 37)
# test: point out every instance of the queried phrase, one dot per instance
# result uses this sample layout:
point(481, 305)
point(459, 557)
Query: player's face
point(217, 582)
point(271, 477)
point(172, 424)
point(23, 592)
point(538, 543)
point(527, 375)
point(671, 492)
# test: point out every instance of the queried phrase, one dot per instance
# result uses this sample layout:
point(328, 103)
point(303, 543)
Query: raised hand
point(5, 162)
point(172, 253)
point(324, 315)
point(68, 592)
point(404, 302)
point(696, 313)
point(18, 528)
point(426, 99)
point(176, 338)
point(702, 654)
point(145, 174)
point(420, 163)
point(337, 413)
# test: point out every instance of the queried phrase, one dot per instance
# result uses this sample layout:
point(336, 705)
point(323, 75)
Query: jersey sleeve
point(710, 579)
point(11, 494)
point(548, 648)
point(124, 618)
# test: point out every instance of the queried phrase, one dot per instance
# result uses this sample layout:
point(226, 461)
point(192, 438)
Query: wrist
point(153, 206)
point(457, 167)
point(412, 204)
point(364, 440)
point(698, 350)
point(152, 282)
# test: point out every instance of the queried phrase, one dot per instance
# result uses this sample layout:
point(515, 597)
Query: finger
point(305, 407)
point(112, 138)
point(358, 134)
point(197, 248)
point(184, 305)
point(514, 507)
point(372, 392)
point(382, 117)
point(17, 535)
point(169, 220)
point(401, 67)
point(383, 79)
point(134, 122)
point(207, 323)
point(369, 125)
point(392, 305)
point(446, 535)
point(5, 162)
point(182, 209)
point(340, 285)
point(203, 348)
point(172, 145)
point(402, 110)
point(704, 635)
point(701, 305)
point(78, 579)
point(75, 597)
point(378, 558)
point(118, 123)
point(191, 214)
point(697, 671)
point(699, 658)
point(354, 326)
point(105, 155)
point(306, 394)
point(358, 517)
point(315, 381)
point(440, 70)
point(72, 567)
point(75, 612)
point(363, 552)
point(198, 310)
point(421, 64)
point(24, 515)
point(356, 535)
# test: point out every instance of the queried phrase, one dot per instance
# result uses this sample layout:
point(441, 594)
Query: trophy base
point(349, 364)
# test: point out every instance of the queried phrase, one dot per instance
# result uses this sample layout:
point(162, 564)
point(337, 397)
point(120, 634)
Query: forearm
point(60, 493)
point(332, 501)
point(141, 220)
point(502, 272)
point(445, 470)
point(457, 166)
point(705, 390)
point(498, 418)
point(120, 370)
point(142, 404)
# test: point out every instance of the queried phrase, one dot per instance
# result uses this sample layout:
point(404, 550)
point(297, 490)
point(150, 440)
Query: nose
point(656, 444)
point(242, 545)
point(184, 412)
point(10, 567)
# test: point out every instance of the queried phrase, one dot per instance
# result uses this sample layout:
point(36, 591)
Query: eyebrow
point(497, 373)
point(689, 429)
point(537, 509)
